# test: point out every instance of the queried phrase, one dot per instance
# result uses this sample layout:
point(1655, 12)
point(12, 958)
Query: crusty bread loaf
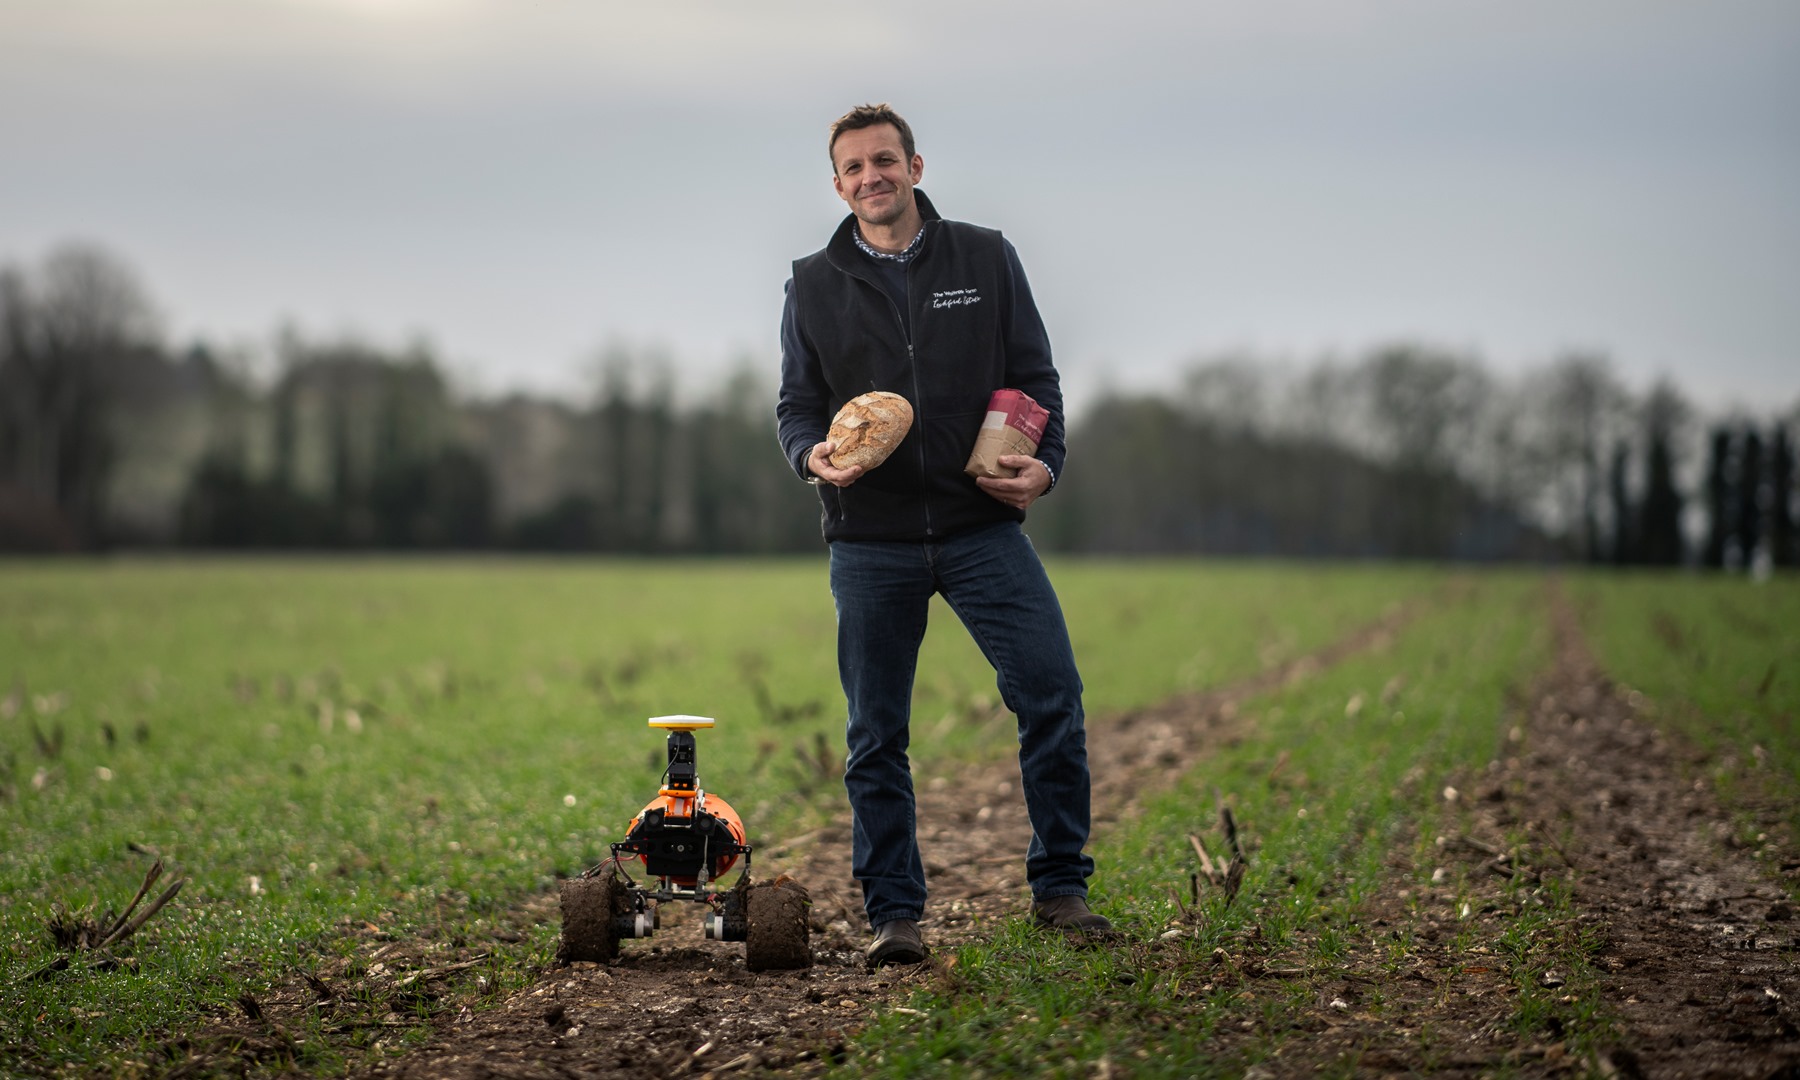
point(868, 427)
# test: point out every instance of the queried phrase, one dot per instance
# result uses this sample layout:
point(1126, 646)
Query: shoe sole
point(896, 956)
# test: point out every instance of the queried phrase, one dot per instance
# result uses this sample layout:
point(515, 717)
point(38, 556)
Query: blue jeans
point(992, 579)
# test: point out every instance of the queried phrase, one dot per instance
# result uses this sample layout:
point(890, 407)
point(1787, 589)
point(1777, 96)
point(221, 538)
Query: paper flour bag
point(1014, 425)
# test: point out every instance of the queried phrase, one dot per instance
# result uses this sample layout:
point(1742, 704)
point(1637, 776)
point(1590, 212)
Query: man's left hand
point(1022, 490)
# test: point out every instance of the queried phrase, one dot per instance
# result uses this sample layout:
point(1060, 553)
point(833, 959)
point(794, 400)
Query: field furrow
point(1493, 826)
point(973, 832)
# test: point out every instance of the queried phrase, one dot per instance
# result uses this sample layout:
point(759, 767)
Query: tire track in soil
point(1696, 941)
point(679, 1005)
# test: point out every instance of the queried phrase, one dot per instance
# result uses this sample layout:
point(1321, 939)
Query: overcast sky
point(523, 182)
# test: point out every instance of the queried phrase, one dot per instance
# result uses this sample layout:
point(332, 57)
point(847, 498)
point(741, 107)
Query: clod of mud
point(778, 938)
point(78, 930)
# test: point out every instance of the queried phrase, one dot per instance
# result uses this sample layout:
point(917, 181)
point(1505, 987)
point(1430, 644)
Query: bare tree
point(1230, 394)
point(1424, 405)
point(1321, 407)
point(64, 332)
point(1578, 408)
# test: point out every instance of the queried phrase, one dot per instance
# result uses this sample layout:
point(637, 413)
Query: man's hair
point(864, 116)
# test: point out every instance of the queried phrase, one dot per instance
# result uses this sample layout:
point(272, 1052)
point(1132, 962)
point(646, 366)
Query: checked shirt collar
point(901, 257)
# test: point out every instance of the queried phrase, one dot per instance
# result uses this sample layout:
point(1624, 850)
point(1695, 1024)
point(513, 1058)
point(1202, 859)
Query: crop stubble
point(1682, 948)
point(684, 1005)
point(1692, 954)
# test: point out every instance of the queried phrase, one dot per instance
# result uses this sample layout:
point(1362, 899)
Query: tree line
point(109, 437)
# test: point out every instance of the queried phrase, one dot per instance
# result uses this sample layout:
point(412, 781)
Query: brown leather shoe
point(897, 942)
point(1070, 914)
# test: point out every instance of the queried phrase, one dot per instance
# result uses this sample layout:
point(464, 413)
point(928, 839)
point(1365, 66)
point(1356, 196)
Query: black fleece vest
point(954, 360)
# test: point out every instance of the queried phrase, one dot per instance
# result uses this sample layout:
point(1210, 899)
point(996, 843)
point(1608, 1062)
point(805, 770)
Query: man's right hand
point(819, 464)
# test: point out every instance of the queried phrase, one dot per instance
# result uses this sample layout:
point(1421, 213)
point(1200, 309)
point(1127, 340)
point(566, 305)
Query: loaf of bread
point(868, 427)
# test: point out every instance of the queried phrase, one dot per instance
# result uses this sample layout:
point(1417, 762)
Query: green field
point(1720, 662)
point(1367, 754)
point(423, 745)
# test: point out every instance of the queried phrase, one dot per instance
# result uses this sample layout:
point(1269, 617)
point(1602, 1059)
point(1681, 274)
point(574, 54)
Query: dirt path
point(1696, 943)
point(1691, 945)
point(1694, 948)
point(676, 1004)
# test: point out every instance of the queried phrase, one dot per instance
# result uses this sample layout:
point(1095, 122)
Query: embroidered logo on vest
point(955, 298)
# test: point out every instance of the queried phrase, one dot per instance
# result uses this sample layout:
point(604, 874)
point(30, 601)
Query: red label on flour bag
point(1014, 425)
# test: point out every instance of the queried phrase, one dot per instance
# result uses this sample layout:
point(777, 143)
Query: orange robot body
point(681, 833)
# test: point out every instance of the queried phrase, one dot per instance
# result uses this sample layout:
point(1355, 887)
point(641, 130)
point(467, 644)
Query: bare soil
point(1691, 939)
point(1694, 937)
point(678, 1004)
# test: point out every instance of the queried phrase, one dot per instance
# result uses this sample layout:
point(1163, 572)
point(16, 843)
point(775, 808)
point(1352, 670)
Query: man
point(939, 312)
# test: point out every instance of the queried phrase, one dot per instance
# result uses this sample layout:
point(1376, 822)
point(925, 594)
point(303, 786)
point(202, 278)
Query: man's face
point(873, 175)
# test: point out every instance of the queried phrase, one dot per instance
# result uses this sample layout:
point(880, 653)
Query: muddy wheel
point(777, 938)
point(589, 908)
